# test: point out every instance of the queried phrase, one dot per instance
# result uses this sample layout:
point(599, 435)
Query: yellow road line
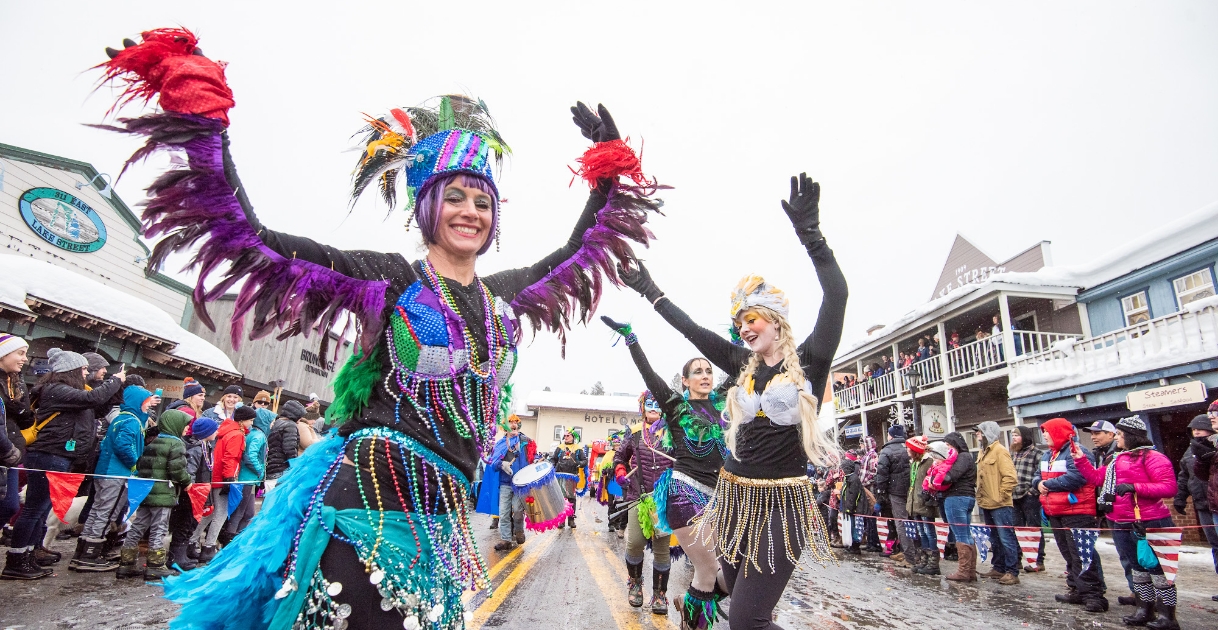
point(495, 571)
point(609, 585)
point(530, 557)
point(656, 620)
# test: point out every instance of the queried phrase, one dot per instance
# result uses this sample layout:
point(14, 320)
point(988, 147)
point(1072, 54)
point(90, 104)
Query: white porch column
point(1008, 335)
point(942, 351)
point(951, 409)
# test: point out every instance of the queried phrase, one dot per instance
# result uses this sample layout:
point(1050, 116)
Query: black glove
point(595, 128)
point(638, 278)
point(1179, 505)
point(617, 326)
point(1202, 445)
point(230, 479)
point(1123, 489)
point(803, 209)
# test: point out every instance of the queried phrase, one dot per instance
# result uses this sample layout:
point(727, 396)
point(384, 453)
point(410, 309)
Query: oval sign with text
point(63, 220)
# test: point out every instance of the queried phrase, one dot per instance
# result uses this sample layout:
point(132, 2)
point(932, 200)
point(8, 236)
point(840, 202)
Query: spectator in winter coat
point(253, 468)
point(891, 476)
point(995, 487)
point(226, 465)
point(230, 401)
point(183, 527)
point(1135, 483)
point(1068, 499)
point(853, 500)
point(283, 443)
point(17, 416)
point(194, 395)
point(118, 457)
point(1189, 484)
point(944, 457)
point(920, 510)
point(958, 502)
point(262, 400)
point(1205, 468)
point(67, 430)
point(163, 458)
point(1027, 456)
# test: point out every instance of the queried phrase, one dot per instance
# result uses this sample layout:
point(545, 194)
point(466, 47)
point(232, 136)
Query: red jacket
point(230, 446)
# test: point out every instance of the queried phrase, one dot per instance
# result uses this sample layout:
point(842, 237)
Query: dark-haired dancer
point(764, 513)
point(696, 437)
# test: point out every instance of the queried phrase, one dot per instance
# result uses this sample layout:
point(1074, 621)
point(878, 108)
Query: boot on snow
point(659, 592)
point(126, 563)
point(156, 569)
point(634, 585)
point(20, 565)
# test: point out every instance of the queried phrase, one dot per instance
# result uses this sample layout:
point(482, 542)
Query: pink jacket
point(933, 482)
point(1153, 480)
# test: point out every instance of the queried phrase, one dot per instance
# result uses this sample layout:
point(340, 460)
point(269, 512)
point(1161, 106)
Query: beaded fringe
point(738, 520)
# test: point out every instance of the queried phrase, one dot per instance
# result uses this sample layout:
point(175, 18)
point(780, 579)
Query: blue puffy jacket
point(253, 462)
point(120, 450)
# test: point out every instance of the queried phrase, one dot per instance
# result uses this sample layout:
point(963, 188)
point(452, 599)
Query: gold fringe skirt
point(739, 519)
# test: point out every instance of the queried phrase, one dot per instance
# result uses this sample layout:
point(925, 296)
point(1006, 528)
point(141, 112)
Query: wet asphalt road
point(576, 579)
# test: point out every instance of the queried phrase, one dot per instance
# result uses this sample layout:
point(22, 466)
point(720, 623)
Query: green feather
point(505, 405)
point(353, 387)
point(448, 119)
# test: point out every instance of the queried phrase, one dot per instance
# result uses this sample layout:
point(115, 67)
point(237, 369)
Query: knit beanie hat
point(897, 432)
point(244, 413)
point(65, 360)
point(1213, 406)
point(916, 444)
point(96, 361)
point(263, 396)
point(204, 427)
point(191, 387)
point(232, 389)
point(1132, 425)
point(10, 344)
point(939, 449)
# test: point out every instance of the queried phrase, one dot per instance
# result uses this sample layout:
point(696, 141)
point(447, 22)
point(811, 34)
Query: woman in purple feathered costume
point(383, 540)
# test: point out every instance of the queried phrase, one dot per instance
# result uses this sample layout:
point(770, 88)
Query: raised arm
point(655, 383)
point(722, 353)
point(817, 351)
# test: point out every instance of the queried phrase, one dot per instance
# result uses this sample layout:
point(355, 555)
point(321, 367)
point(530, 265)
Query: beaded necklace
point(467, 397)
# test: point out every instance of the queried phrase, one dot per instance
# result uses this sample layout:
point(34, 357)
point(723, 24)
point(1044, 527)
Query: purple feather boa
point(196, 205)
point(573, 288)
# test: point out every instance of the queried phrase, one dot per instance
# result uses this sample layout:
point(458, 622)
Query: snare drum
point(546, 507)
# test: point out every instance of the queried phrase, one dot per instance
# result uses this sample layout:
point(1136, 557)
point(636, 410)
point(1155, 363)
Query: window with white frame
point(1136, 308)
point(558, 433)
point(1193, 287)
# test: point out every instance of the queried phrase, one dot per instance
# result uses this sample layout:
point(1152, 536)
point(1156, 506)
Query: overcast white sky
point(1080, 123)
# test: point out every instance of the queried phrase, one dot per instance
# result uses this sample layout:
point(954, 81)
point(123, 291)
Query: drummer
point(513, 451)
point(568, 460)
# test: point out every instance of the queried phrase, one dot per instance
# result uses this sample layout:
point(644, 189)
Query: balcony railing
point(974, 358)
point(1190, 335)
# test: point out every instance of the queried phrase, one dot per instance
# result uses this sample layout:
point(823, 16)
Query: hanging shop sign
point(62, 220)
point(853, 431)
point(1170, 396)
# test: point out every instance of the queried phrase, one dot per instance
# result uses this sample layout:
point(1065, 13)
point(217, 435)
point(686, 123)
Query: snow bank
point(1182, 234)
point(35, 278)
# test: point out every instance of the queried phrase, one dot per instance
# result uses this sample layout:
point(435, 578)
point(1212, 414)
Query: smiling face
point(14, 361)
point(464, 222)
point(698, 378)
point(759, 333)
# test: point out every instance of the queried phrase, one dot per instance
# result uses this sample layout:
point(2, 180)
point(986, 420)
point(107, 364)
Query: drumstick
point(663, 454)
point(624, 510)
point(632, 471)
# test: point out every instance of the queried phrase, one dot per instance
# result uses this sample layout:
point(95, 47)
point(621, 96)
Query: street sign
point(1170, 396)
point(853, 431)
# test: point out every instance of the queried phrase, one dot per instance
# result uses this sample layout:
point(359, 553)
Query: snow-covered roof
point(563, 400)
point(1184, 233)
point(27, 277)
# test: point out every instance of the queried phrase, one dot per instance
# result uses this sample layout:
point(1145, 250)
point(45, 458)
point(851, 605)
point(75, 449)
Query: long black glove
point(638, 278)
point(1123, 489)
point(803, 209)
point(597, 128)
point(616, 326)
point(1202, 445)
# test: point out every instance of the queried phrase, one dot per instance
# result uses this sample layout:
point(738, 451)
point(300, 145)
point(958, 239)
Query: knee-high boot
point(1165, 607)
point(634, 584)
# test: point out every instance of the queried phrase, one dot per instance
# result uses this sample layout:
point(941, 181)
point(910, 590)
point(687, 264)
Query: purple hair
point(431, 201)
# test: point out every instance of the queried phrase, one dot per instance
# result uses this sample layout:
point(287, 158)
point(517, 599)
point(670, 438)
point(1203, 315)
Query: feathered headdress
point(574, 432)
point(455, 135)
point(755, 291)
